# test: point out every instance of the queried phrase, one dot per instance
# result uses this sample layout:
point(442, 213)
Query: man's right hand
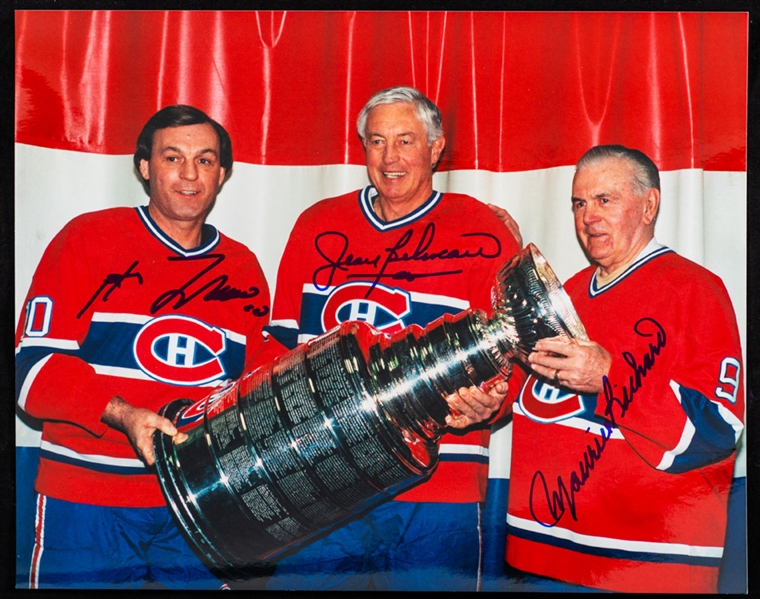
point(139, 424)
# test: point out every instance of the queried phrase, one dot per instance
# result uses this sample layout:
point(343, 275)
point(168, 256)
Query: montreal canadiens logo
point(195, 412)
point(382, 307)
point(180, 350)
point(544, 403)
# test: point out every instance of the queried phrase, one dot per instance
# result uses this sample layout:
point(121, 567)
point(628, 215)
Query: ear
point(651, 204)
point(145, 169)
point(437, 149)
point(222, 175)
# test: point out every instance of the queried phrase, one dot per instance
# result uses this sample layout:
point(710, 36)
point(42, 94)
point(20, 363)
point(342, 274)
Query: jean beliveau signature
point(404, 250)
point(561, 499)
point(215, 288)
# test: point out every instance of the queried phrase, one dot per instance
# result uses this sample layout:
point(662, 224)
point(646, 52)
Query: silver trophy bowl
point(341, 423)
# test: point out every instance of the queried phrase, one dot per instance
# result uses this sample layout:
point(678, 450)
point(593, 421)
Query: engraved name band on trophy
point(343, 422)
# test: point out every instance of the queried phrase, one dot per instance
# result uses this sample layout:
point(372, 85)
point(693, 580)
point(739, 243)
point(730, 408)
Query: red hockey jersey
point(118, 308)
point(343, 263)
point(627, 491)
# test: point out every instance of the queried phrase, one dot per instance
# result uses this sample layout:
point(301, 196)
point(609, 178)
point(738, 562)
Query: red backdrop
point(519, 91)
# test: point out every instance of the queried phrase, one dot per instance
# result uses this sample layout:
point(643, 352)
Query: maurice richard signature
point(562, 498)
point(404, 250)
point(213, 288)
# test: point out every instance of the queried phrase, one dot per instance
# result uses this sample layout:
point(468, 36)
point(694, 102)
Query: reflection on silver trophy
point(343, 422)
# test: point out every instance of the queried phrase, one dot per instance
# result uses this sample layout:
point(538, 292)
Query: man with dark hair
point(129, 309)
point(624, 446)
point(394, 254)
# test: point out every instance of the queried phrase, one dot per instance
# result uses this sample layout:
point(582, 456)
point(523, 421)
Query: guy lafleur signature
point(110, 284)
point(403, 250)
point(215, 289)
point(562, 498)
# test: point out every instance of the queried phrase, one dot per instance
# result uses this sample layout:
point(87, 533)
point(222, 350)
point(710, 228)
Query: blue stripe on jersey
point(106, 468)
point(286, 336)
point(111, 344)
point(714, 438)
point(614, 553)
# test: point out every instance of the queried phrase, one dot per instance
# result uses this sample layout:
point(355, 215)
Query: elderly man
point(131, 308)
point(394, 254)
point(624, 446)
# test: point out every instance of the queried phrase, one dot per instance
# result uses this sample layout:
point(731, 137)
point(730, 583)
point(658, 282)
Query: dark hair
point(646, 174)
point(180, 115)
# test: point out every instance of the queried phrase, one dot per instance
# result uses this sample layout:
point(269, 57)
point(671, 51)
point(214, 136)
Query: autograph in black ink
point(216, 289)
point(561, 499)
point(345, 261)
point(111, 283)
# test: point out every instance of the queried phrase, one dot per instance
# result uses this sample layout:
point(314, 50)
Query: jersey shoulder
point(337, 207)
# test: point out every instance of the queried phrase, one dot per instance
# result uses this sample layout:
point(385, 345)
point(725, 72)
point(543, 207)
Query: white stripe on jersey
point(453, 449)
point(134, 373)
point(91, 458)
point(687, 434)
point(610, 543)
point(578, 423)
point(285, 323)
point(39, 542)
point(65, 344)
point(29, 379)
point(729, 417)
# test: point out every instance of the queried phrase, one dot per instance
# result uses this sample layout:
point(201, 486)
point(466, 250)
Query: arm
point(672, 384)
point(284, 327)
point(52, 381)
point(475, 405)
point(508, 221)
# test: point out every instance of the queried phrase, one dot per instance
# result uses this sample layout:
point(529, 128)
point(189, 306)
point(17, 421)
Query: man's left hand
point(576, 364)
point(473, 405)
point(508, 221)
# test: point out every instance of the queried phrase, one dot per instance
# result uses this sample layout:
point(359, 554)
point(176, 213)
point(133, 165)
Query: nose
point(390, 153)
point(189, 170)
point(590, 214)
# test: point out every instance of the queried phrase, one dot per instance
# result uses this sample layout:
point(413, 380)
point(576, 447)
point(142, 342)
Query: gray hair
point(427, 112)
point(646, 175)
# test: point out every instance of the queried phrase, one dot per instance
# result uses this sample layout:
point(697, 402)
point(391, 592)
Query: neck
point(609, 274)
point(390, 210)
point(187, 234)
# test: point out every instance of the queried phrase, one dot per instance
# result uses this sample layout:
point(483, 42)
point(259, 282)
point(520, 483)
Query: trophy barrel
point(285, 452)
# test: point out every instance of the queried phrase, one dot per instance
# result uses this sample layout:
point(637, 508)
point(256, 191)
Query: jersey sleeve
point(52, 381)
point(284, 326)
point(483, 271)
point(690, 415)
point(482, 278)
point(257, 348)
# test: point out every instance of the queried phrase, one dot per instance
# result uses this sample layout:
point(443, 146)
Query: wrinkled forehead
point(606, 173)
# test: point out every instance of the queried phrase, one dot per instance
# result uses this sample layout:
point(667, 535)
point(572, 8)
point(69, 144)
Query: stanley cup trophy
point(341, 423)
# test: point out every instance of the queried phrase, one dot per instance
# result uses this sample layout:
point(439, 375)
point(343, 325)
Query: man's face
point(399, 159)
point(612, 222)
point(184, 174)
